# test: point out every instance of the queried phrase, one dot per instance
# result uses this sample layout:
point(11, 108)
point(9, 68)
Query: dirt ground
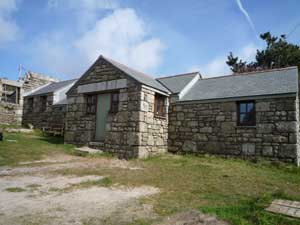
point(32, 194)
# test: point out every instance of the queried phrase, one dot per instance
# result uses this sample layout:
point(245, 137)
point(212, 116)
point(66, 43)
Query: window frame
point(30, 103)
point(114, 103)
point(250, 123)
point(13, 98)
point(159, 112)
point(91, 104)
point(43, 100)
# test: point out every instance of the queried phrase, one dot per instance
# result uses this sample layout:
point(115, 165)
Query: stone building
point(45, 107)
point(11, 95)
point(10, 101)
point(246, 115)
point(117, 109)
point(120, 110)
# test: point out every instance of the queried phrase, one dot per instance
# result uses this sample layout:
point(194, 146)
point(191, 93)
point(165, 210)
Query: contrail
point(246, 14)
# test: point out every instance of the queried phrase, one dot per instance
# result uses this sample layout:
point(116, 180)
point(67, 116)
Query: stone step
point(96, 145)
point(86, 149)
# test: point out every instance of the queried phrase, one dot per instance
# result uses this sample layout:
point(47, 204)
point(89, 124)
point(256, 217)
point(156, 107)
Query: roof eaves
point(239, 97)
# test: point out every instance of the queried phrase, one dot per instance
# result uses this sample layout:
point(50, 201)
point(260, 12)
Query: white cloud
point(8, 28)
point(121, 35)
point(218, 66)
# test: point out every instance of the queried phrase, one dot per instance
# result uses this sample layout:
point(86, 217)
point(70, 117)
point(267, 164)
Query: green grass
point(234, 190)
point(15, 189)
point(104, 182)
point(17, 147)
point(4, 126)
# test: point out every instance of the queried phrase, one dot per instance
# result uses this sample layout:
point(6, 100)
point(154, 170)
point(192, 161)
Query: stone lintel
point(103, 86)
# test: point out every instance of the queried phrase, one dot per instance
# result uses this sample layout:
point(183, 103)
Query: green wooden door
point(103, 106)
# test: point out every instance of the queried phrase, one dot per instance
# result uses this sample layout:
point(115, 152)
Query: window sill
point(112, 113)
point(241, 126)
point(160, 117)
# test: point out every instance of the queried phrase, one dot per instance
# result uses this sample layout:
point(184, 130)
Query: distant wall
point(54, 115)
point(10, 114)
point(33, 80)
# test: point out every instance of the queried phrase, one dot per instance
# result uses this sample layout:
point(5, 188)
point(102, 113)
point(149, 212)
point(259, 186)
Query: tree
point(277, 54)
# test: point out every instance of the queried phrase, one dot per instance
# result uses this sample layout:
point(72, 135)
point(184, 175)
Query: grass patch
point(234, 190)
point(104, 182)
point(251, 211)
point(30, 147)
point(101, 154)
point(141, 222)
point(34, 186)
point(5, 126)
point(15, 189)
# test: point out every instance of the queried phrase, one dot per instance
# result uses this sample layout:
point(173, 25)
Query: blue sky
point(62, 38)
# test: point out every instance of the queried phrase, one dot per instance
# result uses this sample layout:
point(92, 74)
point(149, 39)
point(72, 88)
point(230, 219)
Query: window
point(43, 100)
point(30, 105)
point(159, 105)
point(246, 113)
point(91, 102)
point(114, 105)
point(10, 94)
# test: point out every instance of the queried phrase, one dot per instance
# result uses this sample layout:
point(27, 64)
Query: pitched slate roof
point(138, 76)
point(52, 87)
point(272, 82)
point(177, 82)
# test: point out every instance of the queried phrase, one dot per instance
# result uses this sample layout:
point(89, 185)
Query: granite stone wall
point(130, 132)
point(153, 129)
point(53, 116)
point(10, 114)
point(212, 128)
